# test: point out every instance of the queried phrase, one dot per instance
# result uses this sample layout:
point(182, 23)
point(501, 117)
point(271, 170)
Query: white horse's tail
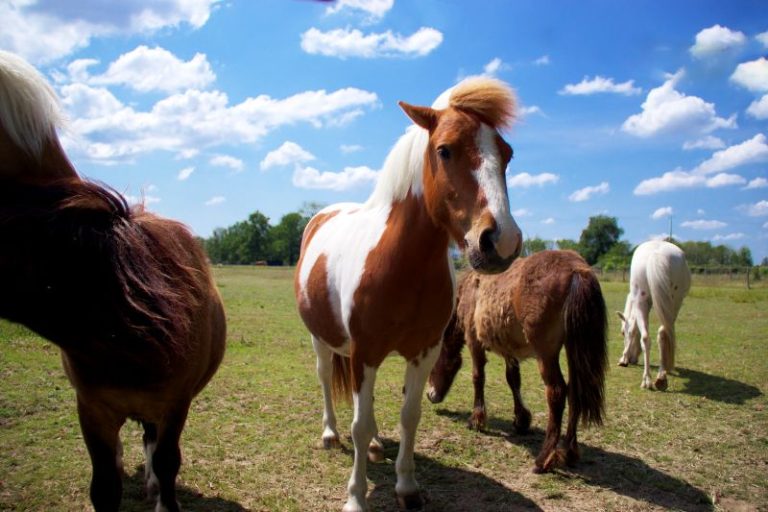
point(29, 107)
point(669, 280)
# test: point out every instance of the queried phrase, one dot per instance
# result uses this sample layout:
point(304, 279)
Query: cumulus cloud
point(350, 148)
point(679, 179)
point(600, 84)
point(376, 9)
point(227, 161)
point(660, 213)
point(185, 173)
point(344, 43)
point(526, 111)
point(522, 212)
point(542, 61)
point(757, 183)
point(763, 38)
point(583, 194)
point(753, 75)
point(759, 108)
point(215, 200)
point(716, 40)
point(548, 221)
point(708, 142)
point(42, 32)
point(754, 150)
point(666, 110)
point(287, 154)
point(350, 177)
point(728, 237)
point(149, 69)
point(526, 180)
point(703, 224)
point(759, 209)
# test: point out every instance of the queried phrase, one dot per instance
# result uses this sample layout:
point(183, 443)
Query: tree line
point(255, 240)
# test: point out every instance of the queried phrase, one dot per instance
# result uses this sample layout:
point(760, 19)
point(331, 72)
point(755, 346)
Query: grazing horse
point(541, 303)
point(376, 279)
point(127, 296)
point(659, 277)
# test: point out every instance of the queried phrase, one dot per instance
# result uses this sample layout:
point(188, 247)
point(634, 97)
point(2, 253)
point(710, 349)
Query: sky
point(653, 112)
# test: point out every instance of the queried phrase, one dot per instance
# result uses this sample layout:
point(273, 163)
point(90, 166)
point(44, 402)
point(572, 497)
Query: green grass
point(252, 440)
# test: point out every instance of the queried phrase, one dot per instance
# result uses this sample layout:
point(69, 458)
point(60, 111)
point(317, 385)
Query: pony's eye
point(444, 152)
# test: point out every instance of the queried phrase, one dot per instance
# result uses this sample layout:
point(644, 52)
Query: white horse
point(659, 276)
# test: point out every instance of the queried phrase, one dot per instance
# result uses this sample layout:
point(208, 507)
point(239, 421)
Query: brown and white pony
point(126, 295)
point(541, 303)
point(375, 279)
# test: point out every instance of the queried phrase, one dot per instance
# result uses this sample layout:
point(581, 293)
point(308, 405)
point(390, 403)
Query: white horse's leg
point(363, 430)
point(416, 375)
point(642, 325)
point(324, 374)
point(666, 342)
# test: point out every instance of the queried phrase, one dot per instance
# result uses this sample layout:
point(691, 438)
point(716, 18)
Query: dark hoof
point(331, 443)
point(375, 453)
point(538, 470)
point(623, 364)
point(661, 384)
point(433, 397)
point(522, 423)
point(410, 502)
point(477, 421)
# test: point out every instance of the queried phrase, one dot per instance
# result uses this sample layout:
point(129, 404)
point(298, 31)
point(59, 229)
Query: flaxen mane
point(489, 98)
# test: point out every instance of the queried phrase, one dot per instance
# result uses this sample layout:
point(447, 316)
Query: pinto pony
point(126, 295)
point(541, 303)
point(659, 277)
point(376, 279)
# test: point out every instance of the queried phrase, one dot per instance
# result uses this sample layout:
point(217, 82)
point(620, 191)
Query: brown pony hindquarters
point(541, 303)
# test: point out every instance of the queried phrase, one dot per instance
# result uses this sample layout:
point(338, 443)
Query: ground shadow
point(619, 473)
point(191, 500)
point(444, 488)
point(714, 387)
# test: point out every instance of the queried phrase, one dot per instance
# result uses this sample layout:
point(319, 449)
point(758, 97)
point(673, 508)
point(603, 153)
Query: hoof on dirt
point(623, 364)
point(661, 384)
point(375, 453)
point(410, 502)
point(522, 423)
point(331, 443)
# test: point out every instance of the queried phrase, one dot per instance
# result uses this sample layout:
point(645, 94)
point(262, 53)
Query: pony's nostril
point(486, 241)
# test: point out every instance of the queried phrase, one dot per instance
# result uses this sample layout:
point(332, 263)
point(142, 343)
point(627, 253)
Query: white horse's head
point(630, 332)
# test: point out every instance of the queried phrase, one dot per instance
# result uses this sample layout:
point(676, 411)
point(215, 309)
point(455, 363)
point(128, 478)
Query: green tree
point(598, 237)
point(285, 238)
point(618, 256)
point(568, 245)
point(536, 244)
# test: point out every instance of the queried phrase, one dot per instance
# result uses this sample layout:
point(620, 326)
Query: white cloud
point(374, 8)
point(600, 84)
point(345, 43)
point(703, 224)
point(350, 177)
point(150, 69)
point(729, 236)
point(723, 179)
point(350, 148)
point(526, 111)
point(548, 220)
point(759, 108)
point(666, 110)
point(215, 200)
point(765, 226)
point(542, 61)
point(660, 213)
point(288, 153)
point(185, 173)
point(522, 212)
point(492, 67)
point(757, 183)
point(586, 193)
point(679, 179)
point(759, 209)
point(701, 212)
point(753, 75)
point(106, 130)
point(754, 150)
point(715, 40)
point(186, 154)
point(707, 142)
point(763, 38)
point(44, 33)
point(525, 180)
point(145, 200)
point(227, 161)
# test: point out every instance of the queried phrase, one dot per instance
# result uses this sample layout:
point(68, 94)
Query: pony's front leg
point(479, 359)
point(522, 414)
point(363, 430)
point(324, 375)
point(666, 348)
point(166, 458)
point(101, 432)
point(642, 325)
point(416, 374)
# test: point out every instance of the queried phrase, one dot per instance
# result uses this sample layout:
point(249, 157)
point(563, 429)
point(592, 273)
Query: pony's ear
point(423, 116)
point(621, 315)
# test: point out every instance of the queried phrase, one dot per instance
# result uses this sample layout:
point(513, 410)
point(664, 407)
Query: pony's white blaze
point(490, 179)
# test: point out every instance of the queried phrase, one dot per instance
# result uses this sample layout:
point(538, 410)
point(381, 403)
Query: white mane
point(29, 108)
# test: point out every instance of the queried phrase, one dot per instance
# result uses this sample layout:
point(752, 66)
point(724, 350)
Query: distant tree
point(618, 256)
point(745, 257)
point(598, 237)
point(568, 245)
point(764, 262)
point(536, 244)
point(285, 238)
point(310, 208)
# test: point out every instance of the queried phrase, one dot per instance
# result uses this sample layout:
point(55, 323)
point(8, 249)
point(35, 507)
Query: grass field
point(252, 441)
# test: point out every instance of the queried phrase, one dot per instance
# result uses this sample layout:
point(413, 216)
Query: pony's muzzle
point(434, 396)
point(485, 256)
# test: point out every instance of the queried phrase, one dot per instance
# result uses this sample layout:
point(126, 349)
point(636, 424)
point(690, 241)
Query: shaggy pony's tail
point(341, 379)
point(586, 348)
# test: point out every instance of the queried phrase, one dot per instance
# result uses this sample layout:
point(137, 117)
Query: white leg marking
point(151, 482)
point(642, 325)
point(363, 429)
point(415, 379)
point(324, 375)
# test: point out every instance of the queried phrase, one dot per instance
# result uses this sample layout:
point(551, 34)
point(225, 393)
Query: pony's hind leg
point(522, 414)
point(416, 374)
point(363, 430)
point(151, 483)
point(478, 418)
point(665, 338)
point(556, 389)
point(166, 458)
point(642, 325)
point(324, 375)
point(101, 431)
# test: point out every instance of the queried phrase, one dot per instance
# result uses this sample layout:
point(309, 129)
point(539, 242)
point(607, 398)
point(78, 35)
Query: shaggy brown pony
point(539, 304)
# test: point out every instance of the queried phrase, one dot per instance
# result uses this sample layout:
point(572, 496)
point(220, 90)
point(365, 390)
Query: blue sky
point(209, 110)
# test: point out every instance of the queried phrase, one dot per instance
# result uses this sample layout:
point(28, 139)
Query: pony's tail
point(341, 380)
point(586, 348)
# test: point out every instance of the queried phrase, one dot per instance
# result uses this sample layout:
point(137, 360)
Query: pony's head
point(630, 332)
point(29, 115)
point(464, 165)
point(448, 363)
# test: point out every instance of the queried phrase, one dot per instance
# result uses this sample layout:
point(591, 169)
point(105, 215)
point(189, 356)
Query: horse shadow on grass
point(191, 500)
point(714, 387)
point(444, 488)
point(616, 472)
